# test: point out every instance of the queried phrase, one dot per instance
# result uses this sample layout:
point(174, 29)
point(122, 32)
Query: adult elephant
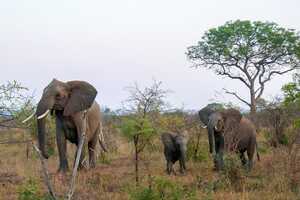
point(228, 129)
point(76, 113)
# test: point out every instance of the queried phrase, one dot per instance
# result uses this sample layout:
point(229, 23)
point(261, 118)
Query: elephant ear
point(82, 96)
point(204, 114)
point(232, 117)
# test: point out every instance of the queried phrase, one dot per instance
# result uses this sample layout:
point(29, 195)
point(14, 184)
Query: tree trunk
point(136, 167)
point(253, 101)
point(136, 140)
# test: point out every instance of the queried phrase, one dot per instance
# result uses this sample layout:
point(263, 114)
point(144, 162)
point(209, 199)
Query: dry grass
point(268, 181)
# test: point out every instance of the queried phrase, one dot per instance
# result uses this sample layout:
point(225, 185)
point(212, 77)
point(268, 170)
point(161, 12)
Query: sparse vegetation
point(134, 166)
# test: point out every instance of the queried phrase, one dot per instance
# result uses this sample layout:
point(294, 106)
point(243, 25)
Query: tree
point(143, 106)
point(250, 52)
point(14, 103)
point(292, 100)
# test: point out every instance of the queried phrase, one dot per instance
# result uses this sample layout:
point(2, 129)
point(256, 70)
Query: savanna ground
point(114, 177)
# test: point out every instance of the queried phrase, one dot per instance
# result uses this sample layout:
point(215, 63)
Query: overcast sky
point(114, 43)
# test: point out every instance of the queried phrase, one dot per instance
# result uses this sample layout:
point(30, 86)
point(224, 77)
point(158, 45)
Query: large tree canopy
point(251, 52)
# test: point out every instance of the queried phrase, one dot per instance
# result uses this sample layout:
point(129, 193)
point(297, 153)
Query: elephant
point(175, 147)
point(77, 114)
point(229, 130)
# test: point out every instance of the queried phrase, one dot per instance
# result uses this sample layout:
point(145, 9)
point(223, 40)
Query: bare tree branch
point(238, 97)
point(45, 172)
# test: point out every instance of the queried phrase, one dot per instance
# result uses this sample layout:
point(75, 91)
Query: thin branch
point(238, 97)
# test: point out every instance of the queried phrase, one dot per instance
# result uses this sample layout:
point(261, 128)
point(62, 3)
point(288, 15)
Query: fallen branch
point(45, 172)
point(74, 173)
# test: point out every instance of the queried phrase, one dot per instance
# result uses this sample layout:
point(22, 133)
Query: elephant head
point(219, 122)
point(67, 97)
point(205, 112)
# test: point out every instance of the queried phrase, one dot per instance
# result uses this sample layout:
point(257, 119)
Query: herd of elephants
point(77, 114)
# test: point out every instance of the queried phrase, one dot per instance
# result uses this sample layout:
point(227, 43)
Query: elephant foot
point(92, 165)
point(182, 172)
point(62, 170)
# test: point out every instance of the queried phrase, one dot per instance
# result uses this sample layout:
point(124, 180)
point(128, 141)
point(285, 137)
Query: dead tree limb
point(45, 172)
point(74, 173)
point(79, 150)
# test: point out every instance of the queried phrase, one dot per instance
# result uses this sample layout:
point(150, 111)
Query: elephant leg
point(242, 157)
point(92, 151)
point(169, 167)
point(250, 154)
point(182, 162)
point(182, 165)
point(218, 159)
point(61, 146)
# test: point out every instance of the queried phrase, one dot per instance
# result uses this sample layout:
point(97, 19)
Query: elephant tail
point(257, 154)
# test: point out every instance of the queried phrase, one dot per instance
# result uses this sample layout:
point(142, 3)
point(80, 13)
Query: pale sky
point(114, 43)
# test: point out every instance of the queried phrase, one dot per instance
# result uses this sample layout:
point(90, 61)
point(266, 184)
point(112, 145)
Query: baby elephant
point(175, 146)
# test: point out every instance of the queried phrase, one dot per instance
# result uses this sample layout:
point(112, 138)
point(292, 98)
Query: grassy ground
point(113, 178)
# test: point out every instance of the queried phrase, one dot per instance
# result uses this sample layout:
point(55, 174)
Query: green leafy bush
point(29, 191)
point(197, 152)
point(163, 189)
point(233, 172)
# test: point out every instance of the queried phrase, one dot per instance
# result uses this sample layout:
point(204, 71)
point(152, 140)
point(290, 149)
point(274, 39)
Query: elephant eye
point(57, 96)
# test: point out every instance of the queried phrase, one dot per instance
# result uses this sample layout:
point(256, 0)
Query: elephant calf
point(175, 146)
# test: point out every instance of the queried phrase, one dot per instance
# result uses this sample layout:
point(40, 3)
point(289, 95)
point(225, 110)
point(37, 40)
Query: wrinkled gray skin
point(175, 147)
point(71, 102)
point(242, 130)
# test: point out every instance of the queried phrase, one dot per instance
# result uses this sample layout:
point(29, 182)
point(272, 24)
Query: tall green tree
point(250, 52)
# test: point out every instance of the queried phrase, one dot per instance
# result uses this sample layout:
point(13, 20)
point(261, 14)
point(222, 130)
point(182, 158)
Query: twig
point(45, 172)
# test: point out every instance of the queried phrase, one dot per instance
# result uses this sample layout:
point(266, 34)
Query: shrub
point(233, 172)
point(163, 189)
point(197, 153)
point(29, 191)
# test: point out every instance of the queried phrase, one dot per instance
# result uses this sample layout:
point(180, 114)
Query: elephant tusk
point(28, 118)
point(43, 115)
point(203, 126)
point(216, 128)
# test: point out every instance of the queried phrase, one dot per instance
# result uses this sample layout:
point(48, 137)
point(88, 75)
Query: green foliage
point(210, 187)
point(197, 152)
point(238, 40)
point(291, 93)
point(250, 52)
point(174, 122)
point(233, 173)
point(163, 189)
point(133, 126)
point(29, 191)
point(104, 158)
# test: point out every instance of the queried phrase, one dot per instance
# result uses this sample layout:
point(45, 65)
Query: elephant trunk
point(211, 137)
point(42, 110)
point(42, 137)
